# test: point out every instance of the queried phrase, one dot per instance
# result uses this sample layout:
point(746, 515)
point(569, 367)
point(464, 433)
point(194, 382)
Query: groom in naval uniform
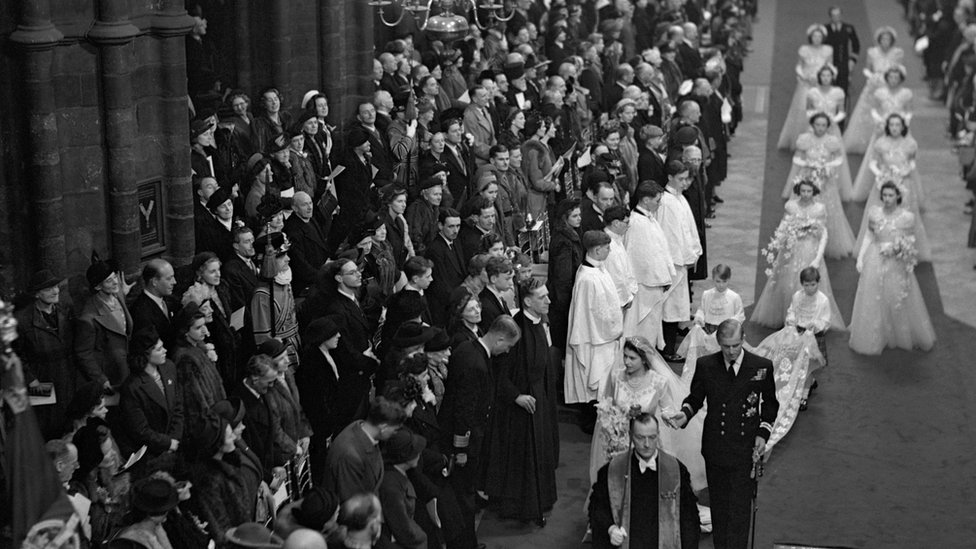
point(742, 407)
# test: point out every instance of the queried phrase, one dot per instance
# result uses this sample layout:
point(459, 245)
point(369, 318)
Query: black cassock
point(524, 448)
point(695, 194)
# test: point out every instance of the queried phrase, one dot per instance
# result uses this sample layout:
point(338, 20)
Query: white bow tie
point(645, 465)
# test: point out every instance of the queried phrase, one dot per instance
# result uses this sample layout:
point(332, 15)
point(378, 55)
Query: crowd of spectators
point(333, 358)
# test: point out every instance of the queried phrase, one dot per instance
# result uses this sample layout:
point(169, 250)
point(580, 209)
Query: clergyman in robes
point(678, 224)
point(650, 485)
point(596, 324)
point(650, 259)
point(524, 448)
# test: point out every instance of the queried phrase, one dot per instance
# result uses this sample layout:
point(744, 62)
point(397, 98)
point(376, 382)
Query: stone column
point(37, 37)
point(281, 50)
point(113, 33)
point(169, 25)
point(242, 49)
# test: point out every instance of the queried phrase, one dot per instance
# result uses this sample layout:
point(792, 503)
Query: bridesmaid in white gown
point(819, 158)
point(811, 57)
point(829, 99)
point(893, 159)
point(893, 97)
point(888, 308)
point(880, 58)
point(800, 241)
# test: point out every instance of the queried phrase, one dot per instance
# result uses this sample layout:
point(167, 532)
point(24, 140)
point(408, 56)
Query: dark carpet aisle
point(884, 456)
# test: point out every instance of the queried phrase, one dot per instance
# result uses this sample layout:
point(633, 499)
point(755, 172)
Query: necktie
point(644, 466)
point(731, 371)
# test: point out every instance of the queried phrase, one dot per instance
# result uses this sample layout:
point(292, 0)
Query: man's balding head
point(301, 204)
point(305, 539)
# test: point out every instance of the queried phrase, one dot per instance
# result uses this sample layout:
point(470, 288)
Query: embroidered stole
point(669, 492)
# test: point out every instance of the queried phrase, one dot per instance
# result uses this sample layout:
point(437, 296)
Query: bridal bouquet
point(614, 422)
point(903, 250)
point(784, 240)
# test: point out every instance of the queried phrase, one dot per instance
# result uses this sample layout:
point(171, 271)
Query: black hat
point(686, 135)
point(403, 446)
point(280, 143)
point(321, 329)
point(412, 333)
point(154, 496)
point(439, 342)
point(279, 242)
point(316, 508)
point(231, 410)
point(514, 70)
point(452, 113)
point(142, 340)
point(430, 182)
point(299, 124)
point(371, 221)
point(252, 535)
point(221, 195)
point(272, 347)
point(269, 206)
point(210, 437)
point(357, 136)
point(42, 280)
point(99, 270)
point(86, 397)
point(430, 59)
point(256, 164)
point(198, 127)
point(400, 98)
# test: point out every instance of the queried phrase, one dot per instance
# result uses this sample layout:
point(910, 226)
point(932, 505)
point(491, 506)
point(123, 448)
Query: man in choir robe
point(595, 324)
point(617, 220)
point(524, 451)
point(678, 224)
point(650, 259)
point(655, 485)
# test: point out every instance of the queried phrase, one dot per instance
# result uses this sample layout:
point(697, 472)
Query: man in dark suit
point(689, 58)
point(493, 304)
point(155, 305)
point(651, 163)
point(260, 419)
point(623, 76)
point(468, 395)
point(843, 38)
point(600, 195)
point(354, 464)
point(742, 407)
point(239, 272)
point(459, 159)
point(479, 218)
point(309, 247)
point(449, 265)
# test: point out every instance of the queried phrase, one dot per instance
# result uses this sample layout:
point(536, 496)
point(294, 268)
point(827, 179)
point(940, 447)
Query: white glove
point(617, 535)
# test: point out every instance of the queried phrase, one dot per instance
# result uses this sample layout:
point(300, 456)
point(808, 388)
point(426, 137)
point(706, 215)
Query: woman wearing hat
point(196, 373)
point(227, 487)
point(98, 479)
point(45, 347)
point(152, 500)
point(104, 326)
point(151, 400)
point(380, 271)
point(812, 57)
point(216, 234)
point(213, 298)
point(881, 57)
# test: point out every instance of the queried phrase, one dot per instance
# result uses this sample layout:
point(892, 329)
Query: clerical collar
point(643, 211)
point(448, 242)
point(531, 316)
point(645, 464)
point(592, 261)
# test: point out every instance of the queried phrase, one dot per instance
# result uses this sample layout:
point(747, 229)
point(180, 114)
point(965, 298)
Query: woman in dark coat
point(44, 345)
point(397, 233)
point(226, 485)
point(151, 401)
point(196, 374)
point(565, 256)
point(464, 317)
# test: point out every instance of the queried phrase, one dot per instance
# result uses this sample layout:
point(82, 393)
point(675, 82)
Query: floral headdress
point(815, 176)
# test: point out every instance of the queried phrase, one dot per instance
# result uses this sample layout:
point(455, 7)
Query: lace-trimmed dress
point(895, 156)
point(832, 103)
point(774, 302)
point(889, 101)
point(819, 151)
point(860, 125)
point(888, 308)
point(810, 60)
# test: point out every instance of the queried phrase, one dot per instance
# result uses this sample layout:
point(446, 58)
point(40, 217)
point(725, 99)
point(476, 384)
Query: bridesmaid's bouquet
point(784, 240)
point(903, 250)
